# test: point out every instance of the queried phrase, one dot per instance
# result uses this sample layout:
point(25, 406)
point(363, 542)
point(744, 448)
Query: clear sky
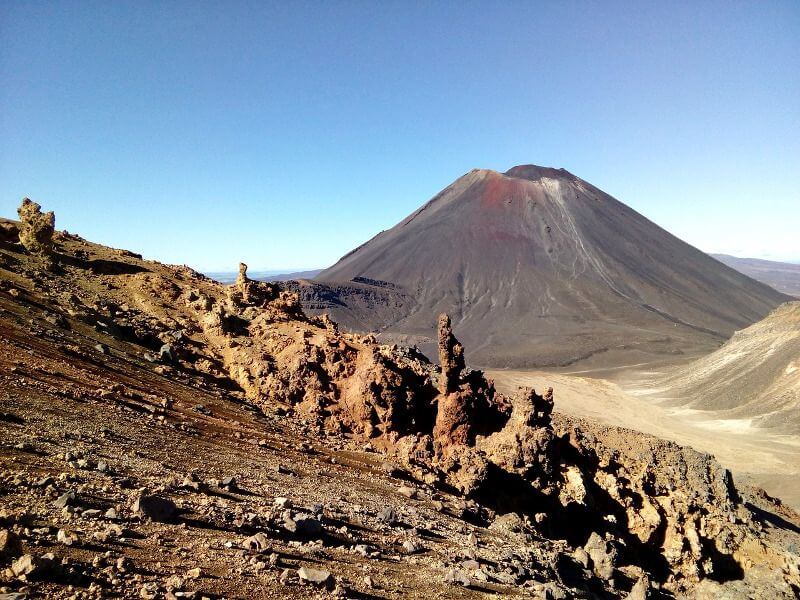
point(284, 135)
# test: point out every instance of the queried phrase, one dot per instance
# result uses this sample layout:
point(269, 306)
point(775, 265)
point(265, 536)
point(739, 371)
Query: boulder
point(319, 577)
point(155, 507)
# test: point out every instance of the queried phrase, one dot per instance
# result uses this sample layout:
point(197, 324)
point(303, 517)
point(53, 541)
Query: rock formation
point(451, 356)
point(36, 228)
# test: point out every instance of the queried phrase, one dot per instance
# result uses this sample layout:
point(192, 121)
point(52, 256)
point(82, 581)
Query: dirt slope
point(754, 377)
point(538, 267)
point(166, 436)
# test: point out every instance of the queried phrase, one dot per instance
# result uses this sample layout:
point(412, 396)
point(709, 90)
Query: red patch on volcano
point(499, 190)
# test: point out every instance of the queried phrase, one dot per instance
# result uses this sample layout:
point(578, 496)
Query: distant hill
point(295, 275)
point(230, 276)
point(538, 267)
point(755, 375)
point(784, 277)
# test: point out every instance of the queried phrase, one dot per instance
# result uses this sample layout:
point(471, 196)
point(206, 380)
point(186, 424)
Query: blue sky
point(284, 135)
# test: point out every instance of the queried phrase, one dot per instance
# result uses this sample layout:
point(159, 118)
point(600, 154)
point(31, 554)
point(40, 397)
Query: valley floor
point(625, 398)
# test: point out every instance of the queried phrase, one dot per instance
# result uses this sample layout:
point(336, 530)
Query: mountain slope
point(784, 277)
point(755, 376)
point(538, 267)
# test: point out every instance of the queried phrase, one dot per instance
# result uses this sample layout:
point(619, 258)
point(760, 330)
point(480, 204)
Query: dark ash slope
point(538, 267)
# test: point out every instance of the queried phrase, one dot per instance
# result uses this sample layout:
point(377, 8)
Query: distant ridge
point(783, 276)
point(230, 276)
point(538, 267)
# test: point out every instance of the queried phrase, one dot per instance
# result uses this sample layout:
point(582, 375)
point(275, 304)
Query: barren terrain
point(164, 436)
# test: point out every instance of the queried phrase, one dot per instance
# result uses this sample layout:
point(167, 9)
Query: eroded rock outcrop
point(633, 501)
point(451, 356)
point(36, 228)
point(671, 513)
point(527, 444)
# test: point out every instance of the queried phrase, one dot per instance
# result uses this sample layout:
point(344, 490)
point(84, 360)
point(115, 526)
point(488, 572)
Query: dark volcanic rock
point(155, 507)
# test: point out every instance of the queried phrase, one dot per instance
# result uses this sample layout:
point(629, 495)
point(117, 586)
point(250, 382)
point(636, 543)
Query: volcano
point(537, 267)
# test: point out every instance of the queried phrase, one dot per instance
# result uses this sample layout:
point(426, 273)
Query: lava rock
point(603, 555)
point(10, 545)
point(258, 542)
point(155, 507)
point(66, 499)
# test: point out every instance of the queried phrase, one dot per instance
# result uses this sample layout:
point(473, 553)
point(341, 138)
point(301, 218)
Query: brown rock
point(36, 228)
point(451, 356)
point(316, 576)
point(10, 545)
point(603, 555)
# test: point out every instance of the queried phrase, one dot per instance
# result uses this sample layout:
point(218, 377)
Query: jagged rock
point(10, 545)
point(65, 537)
point(36, 228)
point(640, 590)
point(527, 443)
point(32, 566)
point(457, 577)
point(166, 354)
point(302, 525)
point(451, 356)
point(388, 515)
point(241, 278)
point(155, 507)
point(66, 499)
point(603, 555)
point(258, 542)
point(509, 523)
point(573, 489)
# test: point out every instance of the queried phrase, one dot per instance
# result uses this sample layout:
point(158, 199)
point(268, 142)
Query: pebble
point(457, 577)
